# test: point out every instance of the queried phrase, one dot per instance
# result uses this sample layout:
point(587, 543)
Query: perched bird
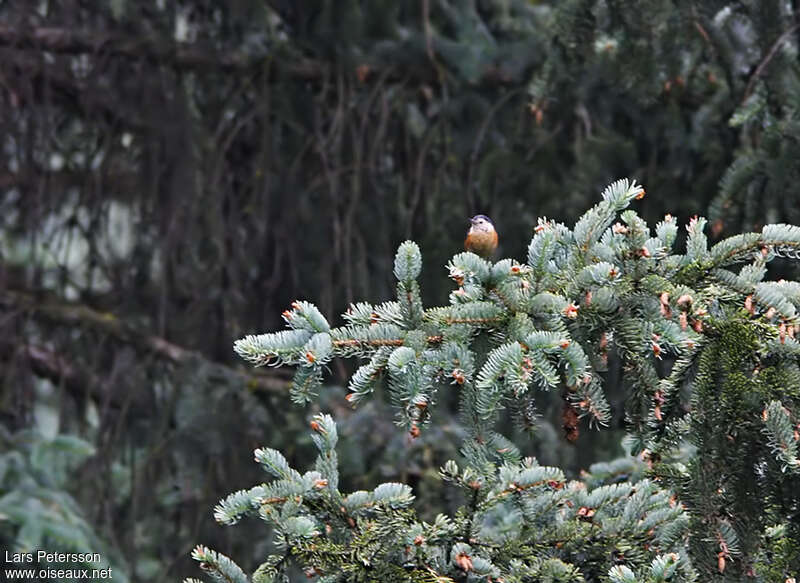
point(481, 237)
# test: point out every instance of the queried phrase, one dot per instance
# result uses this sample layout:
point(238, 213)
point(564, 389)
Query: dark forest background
point(173, 174)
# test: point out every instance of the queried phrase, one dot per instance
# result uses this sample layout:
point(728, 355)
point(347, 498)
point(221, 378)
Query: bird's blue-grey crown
point(484, 217)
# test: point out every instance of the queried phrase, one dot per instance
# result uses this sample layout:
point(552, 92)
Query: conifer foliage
point(709, 357)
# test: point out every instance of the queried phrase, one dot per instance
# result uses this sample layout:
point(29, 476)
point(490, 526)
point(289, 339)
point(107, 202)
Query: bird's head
point(481, 223)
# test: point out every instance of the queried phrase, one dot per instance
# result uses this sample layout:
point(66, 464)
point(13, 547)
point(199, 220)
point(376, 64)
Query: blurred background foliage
point(174, 173)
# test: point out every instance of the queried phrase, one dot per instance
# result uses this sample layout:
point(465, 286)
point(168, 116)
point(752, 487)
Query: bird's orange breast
point(481, 243)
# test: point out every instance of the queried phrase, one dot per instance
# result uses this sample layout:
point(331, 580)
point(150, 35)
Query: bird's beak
point(472, 221)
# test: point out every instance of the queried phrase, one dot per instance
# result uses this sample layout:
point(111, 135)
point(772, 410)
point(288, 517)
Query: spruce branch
point(218, 566)
point(365, 534)
point(695, 333)
point(783, 435)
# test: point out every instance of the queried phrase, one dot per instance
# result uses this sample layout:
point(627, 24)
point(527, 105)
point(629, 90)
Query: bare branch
point(766, 60)
point(107, 323)
point(182, 55)
point(194, 56)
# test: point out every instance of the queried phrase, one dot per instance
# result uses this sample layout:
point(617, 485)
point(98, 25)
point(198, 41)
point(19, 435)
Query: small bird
point(481, 237)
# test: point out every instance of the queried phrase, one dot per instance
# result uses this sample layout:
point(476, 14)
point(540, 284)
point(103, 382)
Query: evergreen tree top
point(512, 330)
